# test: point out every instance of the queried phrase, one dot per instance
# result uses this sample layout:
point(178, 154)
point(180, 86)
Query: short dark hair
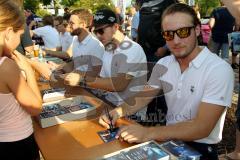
point(47, 20)
point(59, 19)
point(182, 8)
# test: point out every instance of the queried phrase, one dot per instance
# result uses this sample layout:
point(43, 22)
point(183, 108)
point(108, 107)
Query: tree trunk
point(56, 6)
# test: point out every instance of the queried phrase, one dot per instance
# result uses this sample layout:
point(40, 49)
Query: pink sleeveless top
point(15, 122)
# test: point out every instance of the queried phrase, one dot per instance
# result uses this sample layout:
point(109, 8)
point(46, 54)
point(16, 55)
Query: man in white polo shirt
point(65, 37)
point(124, 61)
point(198, 88)
point(48, 33)
point(86, 51)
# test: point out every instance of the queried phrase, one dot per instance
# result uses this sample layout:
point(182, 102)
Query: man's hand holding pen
point(109, 120)
point(133, 133)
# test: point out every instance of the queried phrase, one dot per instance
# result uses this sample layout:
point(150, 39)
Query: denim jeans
point(216, 47)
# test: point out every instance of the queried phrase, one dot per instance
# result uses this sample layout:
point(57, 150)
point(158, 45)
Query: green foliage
point(42, 12)
point(46, 2)
point(206, 6)
point(94, 5)
point(67, 3)
point(32, 5)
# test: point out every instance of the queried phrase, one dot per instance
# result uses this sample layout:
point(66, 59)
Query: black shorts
point(25, 149)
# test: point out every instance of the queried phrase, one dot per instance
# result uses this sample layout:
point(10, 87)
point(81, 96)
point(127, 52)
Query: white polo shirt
point(129, 58)
point(87, 53)
point(65, 40)
point(208, 79)
point(49, 35)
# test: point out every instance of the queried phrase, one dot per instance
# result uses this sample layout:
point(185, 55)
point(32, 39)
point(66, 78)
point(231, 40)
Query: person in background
point(234, 8)
point(29, 16)
point(20, 97)
point(198, 87)
point(128, 21)
point(135, 20)
point(66, 14)
point(120, 19)
point(234, 64)
point(221, 24)
point(26, 44)
point(48, 33)
point(65, 37)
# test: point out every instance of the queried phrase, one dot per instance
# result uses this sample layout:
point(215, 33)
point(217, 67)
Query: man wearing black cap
point(123, 61)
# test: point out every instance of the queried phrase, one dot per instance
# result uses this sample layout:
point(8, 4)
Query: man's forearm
point(101, 83)
point(59, 54)
point(112, 84)
point(185, 131)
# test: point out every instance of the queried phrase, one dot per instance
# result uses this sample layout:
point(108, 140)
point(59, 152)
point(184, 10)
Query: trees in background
point(206, 6)
point(90, 4)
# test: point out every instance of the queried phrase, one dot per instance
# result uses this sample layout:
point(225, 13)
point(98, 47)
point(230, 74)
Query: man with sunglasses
point(64, 37)
point(123, 61)
point(198, 88)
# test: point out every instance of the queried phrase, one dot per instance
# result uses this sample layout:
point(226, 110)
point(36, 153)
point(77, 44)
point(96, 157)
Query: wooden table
point(76, 139)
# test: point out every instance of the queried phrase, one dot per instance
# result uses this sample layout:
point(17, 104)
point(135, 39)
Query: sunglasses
point(58, 24)
point(101, 30)
point(181, 33)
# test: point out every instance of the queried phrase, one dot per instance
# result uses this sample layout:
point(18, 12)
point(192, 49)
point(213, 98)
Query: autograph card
point(107, 135)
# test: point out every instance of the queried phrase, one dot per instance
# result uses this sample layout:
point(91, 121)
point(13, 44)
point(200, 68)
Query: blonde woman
point(19, 95)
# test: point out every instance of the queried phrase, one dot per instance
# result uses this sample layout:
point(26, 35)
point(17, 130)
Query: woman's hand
point(21, 61)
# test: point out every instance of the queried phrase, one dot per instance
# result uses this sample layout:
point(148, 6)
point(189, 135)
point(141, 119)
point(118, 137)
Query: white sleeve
point(96, 58)
point(132, 63)
point(219, 86)
point(39, 31)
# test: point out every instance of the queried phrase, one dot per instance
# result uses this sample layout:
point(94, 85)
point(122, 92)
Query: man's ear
point(116, 27)
point(198, 30)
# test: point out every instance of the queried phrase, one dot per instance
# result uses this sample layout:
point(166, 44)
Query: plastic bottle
point(40, 54)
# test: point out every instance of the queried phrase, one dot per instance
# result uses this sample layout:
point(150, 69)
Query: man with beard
point(85, 51)
point(201, 86)
point(124, 62)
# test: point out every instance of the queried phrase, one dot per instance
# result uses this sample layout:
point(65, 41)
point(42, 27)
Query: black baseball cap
point(104, 16)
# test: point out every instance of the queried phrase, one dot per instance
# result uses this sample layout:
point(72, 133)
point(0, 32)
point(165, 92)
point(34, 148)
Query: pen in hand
point(110, 119)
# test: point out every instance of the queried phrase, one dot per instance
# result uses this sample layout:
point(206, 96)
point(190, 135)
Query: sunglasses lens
point(99, 31)
point(168, 35)
point(184, 32)
point(181, 32)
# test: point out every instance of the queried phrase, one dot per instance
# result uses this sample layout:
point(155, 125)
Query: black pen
point(110, 119)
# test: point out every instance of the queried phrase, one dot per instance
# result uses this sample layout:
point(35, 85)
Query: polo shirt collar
point(201, 57)
point(86, 39)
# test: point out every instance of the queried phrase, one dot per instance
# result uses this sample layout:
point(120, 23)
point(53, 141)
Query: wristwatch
point(82, 82)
